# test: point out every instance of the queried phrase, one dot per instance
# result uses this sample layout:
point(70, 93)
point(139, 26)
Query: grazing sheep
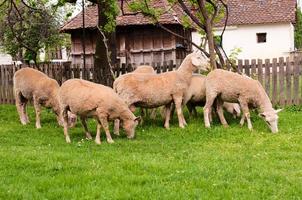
point(87, 99)
point(232, 87)
point(33, 84)
point(154, 90)
point(144, 69)
point(233, 108)
point(196, 96)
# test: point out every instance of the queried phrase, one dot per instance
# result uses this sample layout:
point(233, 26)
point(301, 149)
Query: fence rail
point(62, 72)
point(281, 78)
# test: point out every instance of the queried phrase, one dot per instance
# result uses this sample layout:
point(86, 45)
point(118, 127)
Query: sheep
point(232, 87)
point(154, 90)
point(144, 69)
point(33, 84)
point(87, 99)
point(196, 96)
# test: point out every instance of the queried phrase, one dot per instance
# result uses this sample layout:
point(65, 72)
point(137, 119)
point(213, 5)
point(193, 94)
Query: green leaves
point(27, 27)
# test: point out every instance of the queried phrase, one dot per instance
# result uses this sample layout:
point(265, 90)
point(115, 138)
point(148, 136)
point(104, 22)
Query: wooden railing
point(281, 77)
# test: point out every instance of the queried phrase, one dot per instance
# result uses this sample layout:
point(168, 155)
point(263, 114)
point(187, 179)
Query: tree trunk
point(102, 66)
point(209, 33)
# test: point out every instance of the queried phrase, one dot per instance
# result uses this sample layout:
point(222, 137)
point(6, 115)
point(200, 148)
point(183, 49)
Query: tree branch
point(182, 37)
point(28, 6)
point(187, 11)
point(1, 4)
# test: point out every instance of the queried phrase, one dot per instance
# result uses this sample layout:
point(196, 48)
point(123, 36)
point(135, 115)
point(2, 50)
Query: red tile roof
point(91, 17)
point(240, 12)
point(260, 11)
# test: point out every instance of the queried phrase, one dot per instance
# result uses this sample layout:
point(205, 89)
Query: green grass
point(190, 163)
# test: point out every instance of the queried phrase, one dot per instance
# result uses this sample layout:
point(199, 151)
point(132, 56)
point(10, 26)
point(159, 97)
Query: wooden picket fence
point(62, 72)
point(280, 77)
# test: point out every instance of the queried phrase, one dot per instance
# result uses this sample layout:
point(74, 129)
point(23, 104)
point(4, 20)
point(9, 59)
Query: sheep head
point(130, 125)
point(200, 61)
point(271, 119)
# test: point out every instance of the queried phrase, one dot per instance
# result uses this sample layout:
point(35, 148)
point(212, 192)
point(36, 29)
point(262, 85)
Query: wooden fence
point(280, 77)
point(62, 72)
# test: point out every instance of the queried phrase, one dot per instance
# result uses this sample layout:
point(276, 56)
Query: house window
point(261, 37)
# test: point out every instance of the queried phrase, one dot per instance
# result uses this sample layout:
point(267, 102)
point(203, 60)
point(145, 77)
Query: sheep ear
point(138, 119)
point(195, 61)
point(278, 110)
point(262, 115)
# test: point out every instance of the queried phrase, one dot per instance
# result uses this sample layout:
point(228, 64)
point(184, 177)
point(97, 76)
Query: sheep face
point(72, 119)
point(129, 126)
point(200, 61)
point(271, 119)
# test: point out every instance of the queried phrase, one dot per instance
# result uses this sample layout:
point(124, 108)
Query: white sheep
point(33, 84)
point(154, 90)
point(196, 96)
point(87, 99)
point(232, 87)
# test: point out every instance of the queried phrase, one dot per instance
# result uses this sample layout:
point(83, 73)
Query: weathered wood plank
point(281, 81)
point(260, 72)
point(274, 82)
point(247, 67)
point(296, 74)
point(267, 77)
point(288, 82)
point(253, 69)
point(239, 68)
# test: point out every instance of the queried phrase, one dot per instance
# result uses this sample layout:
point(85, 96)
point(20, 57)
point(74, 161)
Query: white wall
point(279, 40)
point(5, 59)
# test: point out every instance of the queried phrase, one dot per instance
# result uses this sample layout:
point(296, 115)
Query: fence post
point(288, 82)
point(274, 77)
point(247, 67)
point(296, 72)
point(239, 69)
point(260, 72)
point(253, 72)
point(267, 77)
point(281, 81)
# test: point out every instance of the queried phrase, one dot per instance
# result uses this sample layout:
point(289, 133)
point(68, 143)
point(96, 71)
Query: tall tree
point(105, 52)
point(27, 27)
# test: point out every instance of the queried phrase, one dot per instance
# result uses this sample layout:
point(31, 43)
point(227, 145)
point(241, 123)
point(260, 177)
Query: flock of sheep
point(145, 89)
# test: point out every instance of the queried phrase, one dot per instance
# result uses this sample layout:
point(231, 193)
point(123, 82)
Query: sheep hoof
point(88, 136)
point(181, 126)
point(98, 142)
point(110, 141)
point(116, 133)
point(225, 125)
point(68, 140)
point(38, 126)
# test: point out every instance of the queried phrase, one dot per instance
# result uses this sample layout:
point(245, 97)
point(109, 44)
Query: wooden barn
point(138, 40)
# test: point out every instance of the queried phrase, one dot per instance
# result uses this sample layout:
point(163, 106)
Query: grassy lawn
point(190, 163)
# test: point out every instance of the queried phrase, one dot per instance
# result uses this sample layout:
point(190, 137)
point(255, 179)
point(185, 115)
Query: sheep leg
point(180, 116)
point(194, 111)
point(220, 113)
point(104, 123)
point(37, 107)
point(242, 120)
point(153, 113)
point(116, 130)
point(190, 109)
point(65, 125)
point(245, 114)
point(98, 133)
point(21, 108)
point(88, 135)
point(168, 115)
point(207, 110)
